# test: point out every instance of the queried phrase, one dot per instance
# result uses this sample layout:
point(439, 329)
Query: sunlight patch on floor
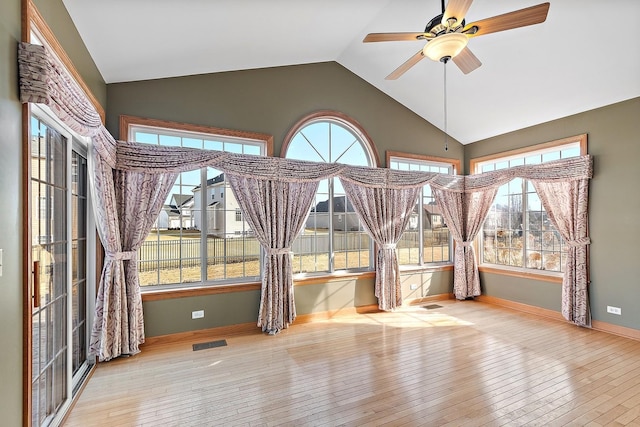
point(406, 317)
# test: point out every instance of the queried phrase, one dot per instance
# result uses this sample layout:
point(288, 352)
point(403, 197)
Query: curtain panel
point(566, 203)
point(127, 204)
point(276, 211)
point(384, 213)
point(464, 214)
point(131, 181)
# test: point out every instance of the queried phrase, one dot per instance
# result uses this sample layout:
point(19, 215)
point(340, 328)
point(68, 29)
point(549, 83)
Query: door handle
point(36, 283)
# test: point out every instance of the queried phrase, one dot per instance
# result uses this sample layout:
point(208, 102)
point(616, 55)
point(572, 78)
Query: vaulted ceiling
point(586, 55)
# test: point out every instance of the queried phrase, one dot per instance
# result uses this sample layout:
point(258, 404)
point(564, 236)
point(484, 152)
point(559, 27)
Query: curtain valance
point(131, 181)
point(571, 169)
point(45, 80)
point(140, 157)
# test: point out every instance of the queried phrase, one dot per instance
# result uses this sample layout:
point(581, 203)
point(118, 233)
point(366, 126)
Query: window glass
point(333, 237)
point(199, 236)
point(427, 238)
point(517, 232)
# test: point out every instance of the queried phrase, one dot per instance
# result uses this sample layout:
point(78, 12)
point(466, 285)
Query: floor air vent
point(431, 306)
point(210, 344)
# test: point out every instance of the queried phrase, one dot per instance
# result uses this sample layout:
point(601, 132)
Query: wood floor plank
point(466, 363)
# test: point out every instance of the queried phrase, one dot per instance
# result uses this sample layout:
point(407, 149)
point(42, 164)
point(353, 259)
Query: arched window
point(333, 238)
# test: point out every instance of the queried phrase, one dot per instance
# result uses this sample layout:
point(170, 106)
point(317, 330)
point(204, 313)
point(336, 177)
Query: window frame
point(129, 124)
point(475, 165)
point(435, 161)
point(368, 145)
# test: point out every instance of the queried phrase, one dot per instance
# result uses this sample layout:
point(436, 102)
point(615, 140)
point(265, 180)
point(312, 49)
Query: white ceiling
point(586, 55)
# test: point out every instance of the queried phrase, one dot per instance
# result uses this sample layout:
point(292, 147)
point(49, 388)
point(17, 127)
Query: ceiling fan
point(447, 34)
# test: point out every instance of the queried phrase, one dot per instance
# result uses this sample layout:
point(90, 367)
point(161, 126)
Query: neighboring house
point(432, 216)
point(344, 219)
point(224, 217)
point(177, 214)
point(162, 222)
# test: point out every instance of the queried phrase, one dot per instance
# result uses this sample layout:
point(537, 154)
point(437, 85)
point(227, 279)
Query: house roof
point(586, 55)
point(432, 209)
point(338, 205)
point(180, 199)
point(211, 181)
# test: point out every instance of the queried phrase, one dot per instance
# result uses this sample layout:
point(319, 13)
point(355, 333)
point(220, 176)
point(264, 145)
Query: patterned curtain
point(45, 80)
point(124, 218)
point(276, 211)
point(125, 211)
point(464, 214)
point(384, 213)
point(566, 204)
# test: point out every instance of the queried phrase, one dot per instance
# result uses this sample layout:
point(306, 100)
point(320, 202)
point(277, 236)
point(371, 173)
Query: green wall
point(172, 316)
point(272, 100)
point(614, 219)
point(11, 223)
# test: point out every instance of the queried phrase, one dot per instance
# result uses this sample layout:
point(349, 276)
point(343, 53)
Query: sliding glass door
point(59, 220)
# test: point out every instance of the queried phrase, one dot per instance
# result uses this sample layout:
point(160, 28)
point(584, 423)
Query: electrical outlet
point(614, 310)
point(197, 314)
point(413, 286)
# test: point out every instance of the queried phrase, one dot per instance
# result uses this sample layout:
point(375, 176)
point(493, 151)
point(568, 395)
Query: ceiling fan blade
point(456, 9)
point(519, 18)
point(392, 37)
point(466, 61)
point(405, 67)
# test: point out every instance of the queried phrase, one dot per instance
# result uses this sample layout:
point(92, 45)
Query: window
point(333, 238)
point(517, 232)
point(427, 238)
point(198, 237)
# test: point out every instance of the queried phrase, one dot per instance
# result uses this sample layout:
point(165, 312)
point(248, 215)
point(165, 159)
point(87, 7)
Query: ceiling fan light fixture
point(445, 46)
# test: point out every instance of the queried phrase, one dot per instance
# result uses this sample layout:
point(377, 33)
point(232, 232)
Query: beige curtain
point(43, 79)
point(127, 204)
point(566, 203)
point(276, 212)
point(384, 213)
point(464, 214)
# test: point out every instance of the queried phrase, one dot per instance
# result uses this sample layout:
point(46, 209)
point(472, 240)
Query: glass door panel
point(50, 388)
point(60, 246)
point(79, 201)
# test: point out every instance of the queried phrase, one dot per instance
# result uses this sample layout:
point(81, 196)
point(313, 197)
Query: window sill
point(304, 279)
point(195, 291)
point(427, 268)
point(156, 294)
point(533, 275)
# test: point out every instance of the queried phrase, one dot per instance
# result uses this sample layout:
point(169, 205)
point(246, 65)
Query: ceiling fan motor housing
point(436, 28)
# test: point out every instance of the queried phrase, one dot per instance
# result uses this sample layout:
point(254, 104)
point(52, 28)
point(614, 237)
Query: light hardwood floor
point(465, 364)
